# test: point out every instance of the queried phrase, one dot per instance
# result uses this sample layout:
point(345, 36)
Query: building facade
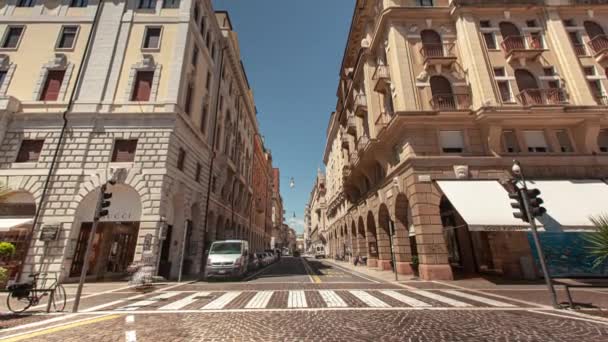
point(435, 101)
point(153, 91)
point(278, 212)
point(317, 213)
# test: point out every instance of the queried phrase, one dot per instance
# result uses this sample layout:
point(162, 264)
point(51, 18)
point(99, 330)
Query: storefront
point(482, 235)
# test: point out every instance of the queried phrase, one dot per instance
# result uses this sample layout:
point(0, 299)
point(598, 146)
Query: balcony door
point(528, 87)
point(511, 36)
point(431, 42)
point(443, 96)
point(597, 36)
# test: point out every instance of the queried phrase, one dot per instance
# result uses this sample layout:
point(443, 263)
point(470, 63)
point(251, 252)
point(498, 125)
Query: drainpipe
point(217, 109)
point(64, 117)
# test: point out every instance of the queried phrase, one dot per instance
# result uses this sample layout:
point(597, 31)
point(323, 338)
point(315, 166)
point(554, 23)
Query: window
point(536, 40)
point(29, 152)
point(531, 23)
point(509, 141)
point(67, 37)
point(26, 3)
point(194, 56)
point(152, 37)
point(2, 77)
point(577, 43)
point(536, 142)
point(197, 13)
point(143, 86)
point(569, 22)
point(214, 184)
point(485, 23)
point(563, 139)
point(500, 72)
point(79, 3)
point(602, 140)
point(181, 159)
point(170, 3)
point(147, 4)
point(197, 175)
point(202, 27)
point(589, 70)
point(451, 141)
point(124, 151)
point(549, 71)
point(52, 85)
point(208, 81)
point(188, 104)
point(12, 37)
point(213, 52)
point(204, 114)
point(505, 91)
point(490, 40)
point(425, 3)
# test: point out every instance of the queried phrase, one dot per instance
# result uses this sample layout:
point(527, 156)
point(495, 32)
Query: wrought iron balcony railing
point(360, 105)
point(518, 43)
point(599, 44)
point(443, 50)
point(536, 97)
point(448, 102)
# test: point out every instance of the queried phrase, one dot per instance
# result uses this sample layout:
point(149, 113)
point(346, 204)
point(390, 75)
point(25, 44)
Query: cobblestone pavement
point(313, 300)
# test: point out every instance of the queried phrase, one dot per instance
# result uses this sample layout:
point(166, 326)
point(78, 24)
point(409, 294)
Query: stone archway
point(372, 243)
point(383, 238)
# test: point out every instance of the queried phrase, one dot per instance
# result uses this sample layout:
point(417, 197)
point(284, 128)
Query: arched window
point(431, 43)
point(597, 37)
point(529, 93)
point(511, 36)
point(443, 96)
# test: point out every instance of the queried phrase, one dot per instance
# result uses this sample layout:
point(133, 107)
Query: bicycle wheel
point(17, 303)
point(59, 299)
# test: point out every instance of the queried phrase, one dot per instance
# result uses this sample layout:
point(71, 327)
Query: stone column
point(403, 253)
point(432, 249)
point(384, 244)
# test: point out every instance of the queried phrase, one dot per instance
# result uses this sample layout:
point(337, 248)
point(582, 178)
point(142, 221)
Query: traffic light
point(518, 205)
point(534, 203)
point(105, 196)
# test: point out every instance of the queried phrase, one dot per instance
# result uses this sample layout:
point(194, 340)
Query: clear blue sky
point(292, 52)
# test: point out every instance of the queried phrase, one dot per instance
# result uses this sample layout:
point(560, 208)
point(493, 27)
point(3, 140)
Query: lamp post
point(518, 172)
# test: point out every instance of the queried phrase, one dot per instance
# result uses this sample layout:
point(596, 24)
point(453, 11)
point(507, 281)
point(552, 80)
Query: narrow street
point(308, 299)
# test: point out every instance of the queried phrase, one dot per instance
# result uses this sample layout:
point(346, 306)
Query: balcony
point(451, 102)
point(383, 121)
point(362, 143)
point(601, 99)
point(522, 48)
point(543, 97)
point(438, 55)
point(579, 49)
point(360, 105)
point(382, 77)
point(351, 124)
point(599, 46)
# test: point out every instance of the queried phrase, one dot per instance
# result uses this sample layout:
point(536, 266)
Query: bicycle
point(22, 296)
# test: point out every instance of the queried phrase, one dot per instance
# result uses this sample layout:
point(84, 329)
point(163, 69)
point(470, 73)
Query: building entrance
point(112, 252)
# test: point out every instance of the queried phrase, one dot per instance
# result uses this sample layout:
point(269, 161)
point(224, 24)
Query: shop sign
point(480, 228)
point(49, 233)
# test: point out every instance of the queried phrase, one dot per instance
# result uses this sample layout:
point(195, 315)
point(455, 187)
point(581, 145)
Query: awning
point(484, 205)
point(570, 203)
point(7, 223)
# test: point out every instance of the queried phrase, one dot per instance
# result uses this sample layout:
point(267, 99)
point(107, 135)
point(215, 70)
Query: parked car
point(229, 258)
point(254, 262)
point(263, 259)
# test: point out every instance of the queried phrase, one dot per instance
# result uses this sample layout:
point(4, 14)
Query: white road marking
point(354, 273)
point(369, 299)
point(308, 269)
point(484, 300)
point(130, 336)
point(184, 301)
point(405, 299)
point(222, 301)
point(130, 319)
point(260, 300)
point(149, 301)
point(116, 302)
point(440, 298)
point(332, 299)
point(296, 299)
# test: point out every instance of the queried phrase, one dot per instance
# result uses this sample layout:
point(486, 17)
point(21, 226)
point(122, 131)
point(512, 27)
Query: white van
point(228, 258)
point(319, 252)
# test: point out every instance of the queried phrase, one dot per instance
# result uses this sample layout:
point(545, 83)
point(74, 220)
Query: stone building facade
point(435, 101)
point(154, 91)
point(317, 213)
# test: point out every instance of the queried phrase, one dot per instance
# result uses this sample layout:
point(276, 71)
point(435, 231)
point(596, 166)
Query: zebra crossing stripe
point(369, 299)
point(260, 300)
point(222, 301)
point(332, 299)
point(405, 299)
point(296, 299)
point(440, 298)
point(149, 301)
point(184, 301)
point(484, 300)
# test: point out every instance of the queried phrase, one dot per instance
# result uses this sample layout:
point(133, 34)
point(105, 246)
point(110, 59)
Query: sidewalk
point(387, 276)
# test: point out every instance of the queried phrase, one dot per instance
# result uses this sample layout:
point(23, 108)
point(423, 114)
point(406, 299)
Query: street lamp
point(523, 193)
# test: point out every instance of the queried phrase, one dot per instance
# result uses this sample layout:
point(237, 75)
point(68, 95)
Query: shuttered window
point(124, 151)
point(181, 159)
point(152, 38)
point(52, 85)
point(29, 151)
point(602, 140)
point(143, 86)
point(452, 141)
point(536, 142)
point(67, 37)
